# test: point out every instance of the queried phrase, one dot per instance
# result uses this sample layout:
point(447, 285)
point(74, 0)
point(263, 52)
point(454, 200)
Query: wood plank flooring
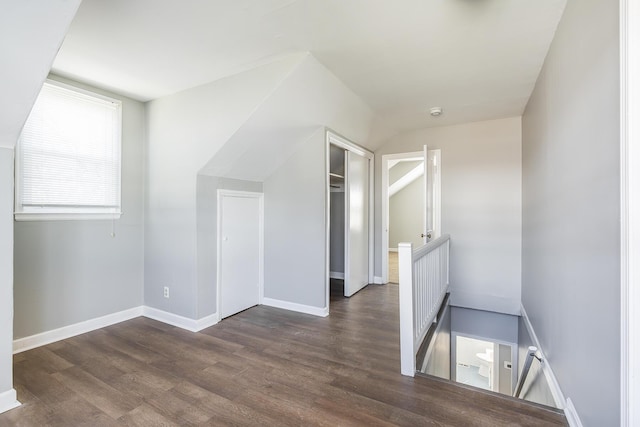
point(393, 267)
point(262, 367)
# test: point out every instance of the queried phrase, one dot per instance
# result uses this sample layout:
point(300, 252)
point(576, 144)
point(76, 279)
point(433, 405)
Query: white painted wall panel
point(571, 209)
point(295, 228)
point(481, 207)
point(6, 269)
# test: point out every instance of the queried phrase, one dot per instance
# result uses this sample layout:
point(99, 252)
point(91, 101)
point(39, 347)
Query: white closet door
point(240, 251)
point(356, 224)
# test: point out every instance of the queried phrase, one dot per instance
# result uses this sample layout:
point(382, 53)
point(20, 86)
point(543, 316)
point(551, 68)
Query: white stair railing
point(423, 282)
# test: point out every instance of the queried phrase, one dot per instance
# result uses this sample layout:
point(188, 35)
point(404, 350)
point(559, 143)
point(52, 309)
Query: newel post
point(405, 271)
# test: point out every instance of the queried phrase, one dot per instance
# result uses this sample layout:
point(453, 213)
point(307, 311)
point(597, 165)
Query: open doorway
point(411, 199)
point(483, 363)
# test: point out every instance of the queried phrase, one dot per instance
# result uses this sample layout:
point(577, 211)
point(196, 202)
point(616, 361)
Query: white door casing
point(434, 157)
point(240, 251)
point(427, 209)
point(350, 147)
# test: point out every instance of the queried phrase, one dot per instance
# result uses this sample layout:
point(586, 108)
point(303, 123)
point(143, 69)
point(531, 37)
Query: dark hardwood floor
point(263, 367)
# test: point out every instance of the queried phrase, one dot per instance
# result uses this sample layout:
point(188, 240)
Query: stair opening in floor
point(482, 349)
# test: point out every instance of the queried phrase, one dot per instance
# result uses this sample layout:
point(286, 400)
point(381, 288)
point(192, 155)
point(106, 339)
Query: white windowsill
point(36, 216)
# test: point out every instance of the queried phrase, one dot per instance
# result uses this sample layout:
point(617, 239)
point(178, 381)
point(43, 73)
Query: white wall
point(571, 209)
point(6, 277)
point(32, 33)
point(184, 131)
point(244, 128)
point(485, 324)
point(295, 228)
point(71, 271)
point(481, 208)
point(406, 221)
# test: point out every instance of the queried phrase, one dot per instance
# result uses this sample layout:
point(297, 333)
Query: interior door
point(356, 223)
point(428, 234)
point(240, 250)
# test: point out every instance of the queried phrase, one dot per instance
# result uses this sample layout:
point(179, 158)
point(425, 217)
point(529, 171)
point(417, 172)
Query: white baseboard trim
point(336, 275)
point(292, 306)
point(44, 338)
point(192, 325)
point(572, 415)
point(565, 404)
point(393, 249)
point(8, 400)
point(378, 280)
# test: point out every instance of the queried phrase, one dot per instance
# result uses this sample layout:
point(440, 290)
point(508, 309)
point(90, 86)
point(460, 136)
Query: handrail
point(531, 354)
point(421, 251)
point(424, 279)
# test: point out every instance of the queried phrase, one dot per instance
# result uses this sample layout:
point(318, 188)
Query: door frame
point(221, 194)
point(496, 372)
point(384, 198)
point(629, 212)
point(332, 138)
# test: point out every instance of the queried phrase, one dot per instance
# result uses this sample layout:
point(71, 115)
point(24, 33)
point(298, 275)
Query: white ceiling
point(478, 59)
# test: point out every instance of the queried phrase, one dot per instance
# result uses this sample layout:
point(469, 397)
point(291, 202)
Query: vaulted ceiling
point(477, 59)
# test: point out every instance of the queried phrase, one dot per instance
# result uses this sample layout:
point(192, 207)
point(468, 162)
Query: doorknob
point(428, 235)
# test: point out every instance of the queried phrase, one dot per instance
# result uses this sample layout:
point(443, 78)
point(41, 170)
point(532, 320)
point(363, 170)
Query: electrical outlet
point(166, 292)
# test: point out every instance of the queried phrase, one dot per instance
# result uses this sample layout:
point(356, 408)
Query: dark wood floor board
point(40, 383)
point(261, 367)
point(145, 416)
point(224, 411)
point(113, 402)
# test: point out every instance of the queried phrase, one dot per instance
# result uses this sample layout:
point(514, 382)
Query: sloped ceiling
point(478, 59)
point(31, 34)
point(308, 99)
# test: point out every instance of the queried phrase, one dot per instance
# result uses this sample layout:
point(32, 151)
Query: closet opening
point(349, 217)
point(337, 215)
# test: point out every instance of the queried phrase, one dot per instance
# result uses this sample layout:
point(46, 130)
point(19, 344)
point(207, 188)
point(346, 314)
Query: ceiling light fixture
point(435, 111)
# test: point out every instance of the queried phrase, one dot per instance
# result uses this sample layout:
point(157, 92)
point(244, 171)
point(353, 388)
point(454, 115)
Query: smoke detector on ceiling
point(435, 111)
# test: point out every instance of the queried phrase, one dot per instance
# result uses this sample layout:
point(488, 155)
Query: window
point(68, 156)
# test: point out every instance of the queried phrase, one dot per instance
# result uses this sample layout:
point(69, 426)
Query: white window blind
point(68, 157)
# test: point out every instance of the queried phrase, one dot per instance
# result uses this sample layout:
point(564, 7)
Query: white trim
point(337, 140)
point(377, 280)
point(630, 213)
point(68, 216)
point(565, 404)
point(192, 325)
point(336, 275)
point(327, 220)
point(248, 194)
point(84, 213)
point(48, 337)
point(384, 196)
point(393, 250)
point(572, 416)
point(334, 139)
point(44, 338)
point(8, 400)
point(292, 306)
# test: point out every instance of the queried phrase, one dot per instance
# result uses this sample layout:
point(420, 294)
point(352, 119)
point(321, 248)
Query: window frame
point(67, 213)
